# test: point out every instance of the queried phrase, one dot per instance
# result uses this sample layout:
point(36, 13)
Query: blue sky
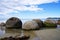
point(29, 9)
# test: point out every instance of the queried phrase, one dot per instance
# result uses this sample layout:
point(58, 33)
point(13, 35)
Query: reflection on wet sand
point(33, 36)
point(19, 32)
point(46, 34)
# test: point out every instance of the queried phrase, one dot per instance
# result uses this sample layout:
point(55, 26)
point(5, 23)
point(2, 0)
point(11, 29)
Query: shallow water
point(2, 32)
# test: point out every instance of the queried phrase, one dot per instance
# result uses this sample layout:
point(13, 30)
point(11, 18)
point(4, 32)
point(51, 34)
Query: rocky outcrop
point(39, 22)
point(13, 22)
point(30, 25)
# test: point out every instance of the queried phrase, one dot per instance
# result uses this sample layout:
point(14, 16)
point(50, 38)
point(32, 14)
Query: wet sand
point(46, 34)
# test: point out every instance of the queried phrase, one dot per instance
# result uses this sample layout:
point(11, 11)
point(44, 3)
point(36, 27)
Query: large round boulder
point(50, 21)
point(50, 24)
point(14, 23)
point(30, 25)
point(39, 22)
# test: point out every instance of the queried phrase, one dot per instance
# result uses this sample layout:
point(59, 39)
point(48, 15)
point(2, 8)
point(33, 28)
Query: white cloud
point(5, 11)
point(7, 6)
point(31, 8)
point(34, 2)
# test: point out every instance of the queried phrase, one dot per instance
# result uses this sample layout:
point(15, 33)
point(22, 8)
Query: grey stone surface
point(13, 22)
point(39, 22)
point(30, 25)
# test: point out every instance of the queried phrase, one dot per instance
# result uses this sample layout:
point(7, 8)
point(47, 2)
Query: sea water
point(2, 31)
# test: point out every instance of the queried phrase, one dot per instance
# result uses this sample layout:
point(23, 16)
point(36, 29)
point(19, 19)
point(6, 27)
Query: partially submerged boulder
point(30, 25)
point(39, 22)
point(2, 24)
point(2, 27)
point(13, 22)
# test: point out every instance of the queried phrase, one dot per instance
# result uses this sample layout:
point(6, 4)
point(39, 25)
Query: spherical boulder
point(50, 21)
point(39, 22)
point(50, 24)
point(30, 25)
point(14, 23)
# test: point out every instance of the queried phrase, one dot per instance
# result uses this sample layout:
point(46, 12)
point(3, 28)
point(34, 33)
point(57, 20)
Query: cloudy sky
point(29, 9)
